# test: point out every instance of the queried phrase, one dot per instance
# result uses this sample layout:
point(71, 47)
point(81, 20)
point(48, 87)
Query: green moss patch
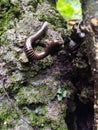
point(8, 12)
point(7, 116)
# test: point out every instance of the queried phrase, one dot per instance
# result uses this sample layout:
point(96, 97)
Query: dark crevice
point(82, 118)
point(75, 68)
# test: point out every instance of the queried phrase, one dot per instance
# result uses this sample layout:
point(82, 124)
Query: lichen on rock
point(28, 84)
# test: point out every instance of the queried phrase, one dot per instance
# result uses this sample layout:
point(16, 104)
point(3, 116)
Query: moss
point(7, 115)
point(8, 13)
point(5, 3)
point(14, 87)
point(33, 69)
point(40, 120)
point(36, 98)
point(33, 4)
point(53, 19)
point(50, 14)
point(41, 94)
point(36, 119)
point(47, 62)
point(43, 122)
point(41, 91)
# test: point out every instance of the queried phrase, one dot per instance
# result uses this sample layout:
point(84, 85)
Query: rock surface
point(31, 86)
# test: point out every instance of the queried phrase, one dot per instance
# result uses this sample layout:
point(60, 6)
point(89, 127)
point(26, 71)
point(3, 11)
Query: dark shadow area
point(82, 118)
point(74, 67)
point(80, 112)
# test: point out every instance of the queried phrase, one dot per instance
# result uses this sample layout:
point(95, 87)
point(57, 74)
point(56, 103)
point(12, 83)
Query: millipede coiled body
point(31, 53)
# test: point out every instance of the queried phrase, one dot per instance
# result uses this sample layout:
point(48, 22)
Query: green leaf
point(69, 9)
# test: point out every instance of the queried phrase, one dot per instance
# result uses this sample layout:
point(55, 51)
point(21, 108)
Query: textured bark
point(90, 9)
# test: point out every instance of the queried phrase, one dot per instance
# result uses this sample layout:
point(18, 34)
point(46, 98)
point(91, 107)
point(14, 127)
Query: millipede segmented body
point(33, 55)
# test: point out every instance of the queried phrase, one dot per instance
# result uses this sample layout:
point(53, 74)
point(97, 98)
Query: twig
point(15, 106)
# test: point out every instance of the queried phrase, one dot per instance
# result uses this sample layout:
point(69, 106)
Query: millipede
point(28, 46)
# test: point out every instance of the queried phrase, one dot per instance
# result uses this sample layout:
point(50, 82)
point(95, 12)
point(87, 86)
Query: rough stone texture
point(44, 94)
point(31, 86)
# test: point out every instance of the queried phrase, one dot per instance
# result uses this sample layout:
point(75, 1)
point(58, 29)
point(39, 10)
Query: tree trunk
point(90, 19)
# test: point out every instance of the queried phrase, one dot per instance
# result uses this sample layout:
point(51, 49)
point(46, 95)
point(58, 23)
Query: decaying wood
point(90, 20)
